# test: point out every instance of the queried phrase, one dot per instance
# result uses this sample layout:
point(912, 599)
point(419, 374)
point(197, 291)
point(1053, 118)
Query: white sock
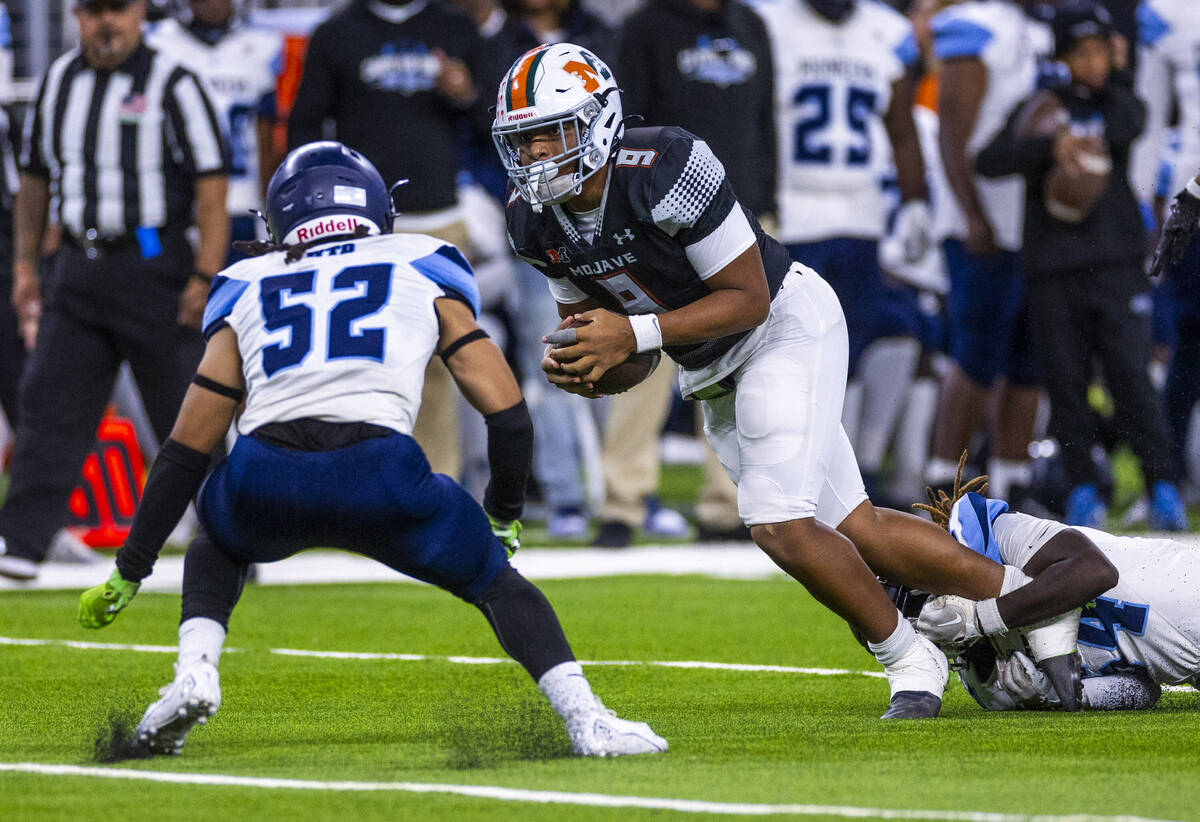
point(200, 638)
point(895, 646)
point(940, 471)
point(567, 690)
point(851, 411)
point(1004, 474)
point(911, 448)
point(886, 369)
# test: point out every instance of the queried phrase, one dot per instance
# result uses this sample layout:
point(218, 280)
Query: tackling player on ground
point(326, 337)
point(1138, 627)
point(644, 244)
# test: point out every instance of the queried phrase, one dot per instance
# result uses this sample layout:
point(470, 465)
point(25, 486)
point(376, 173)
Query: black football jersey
point(666, 191)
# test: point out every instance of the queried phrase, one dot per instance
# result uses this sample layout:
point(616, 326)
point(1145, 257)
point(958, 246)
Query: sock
point(851, 411)
point(886, 368)
point(567, 690)
point(200, 638)
point(911, 447)
point(895, 646)
point(940, 471)
point(1004, 474)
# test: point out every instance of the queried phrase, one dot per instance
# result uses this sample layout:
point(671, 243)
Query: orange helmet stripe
point(518, 87)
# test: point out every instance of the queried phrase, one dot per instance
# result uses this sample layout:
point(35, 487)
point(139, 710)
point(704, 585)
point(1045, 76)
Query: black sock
point(212, 581)
point(525, 623)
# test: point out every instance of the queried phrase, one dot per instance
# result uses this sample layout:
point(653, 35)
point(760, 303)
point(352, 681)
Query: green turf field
point(761, 740)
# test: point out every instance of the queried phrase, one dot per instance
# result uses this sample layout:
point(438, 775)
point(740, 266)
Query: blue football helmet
point(325, 189)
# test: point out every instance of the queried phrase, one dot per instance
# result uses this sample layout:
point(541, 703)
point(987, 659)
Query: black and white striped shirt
point(122, 148)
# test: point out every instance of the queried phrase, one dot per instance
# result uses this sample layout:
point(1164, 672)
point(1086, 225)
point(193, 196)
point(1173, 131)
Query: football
point(1071, 197)
point(624, 375)
point(1068, 197)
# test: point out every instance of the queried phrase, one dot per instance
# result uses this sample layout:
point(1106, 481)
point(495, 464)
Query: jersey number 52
point(297, 317)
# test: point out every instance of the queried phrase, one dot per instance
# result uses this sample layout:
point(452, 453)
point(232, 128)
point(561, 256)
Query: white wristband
point(988, 617)
point(646, 332)
point(1193, 188)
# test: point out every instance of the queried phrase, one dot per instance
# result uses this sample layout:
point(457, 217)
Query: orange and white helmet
point(561, 85)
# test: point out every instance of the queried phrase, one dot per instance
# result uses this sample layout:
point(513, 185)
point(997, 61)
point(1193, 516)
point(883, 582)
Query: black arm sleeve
point(510, 455)
point(174, 479)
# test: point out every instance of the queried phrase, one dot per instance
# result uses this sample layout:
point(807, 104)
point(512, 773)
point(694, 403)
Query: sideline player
point(988, 52)
point(644, 242)
point(1138, 628)
point(326, 336)
point(844, 116)
point(241, 65)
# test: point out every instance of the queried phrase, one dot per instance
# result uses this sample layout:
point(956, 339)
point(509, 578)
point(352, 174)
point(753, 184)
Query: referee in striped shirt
point(130, 146)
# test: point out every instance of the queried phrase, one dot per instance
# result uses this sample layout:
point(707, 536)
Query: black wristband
point(174, 479)
point(510, 455)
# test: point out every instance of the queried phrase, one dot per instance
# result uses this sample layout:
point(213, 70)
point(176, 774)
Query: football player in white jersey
point(988, 51)
point(326, 337)
point(1138, 629)
point(1168, 75)
point(844, 94)
point(241, 65)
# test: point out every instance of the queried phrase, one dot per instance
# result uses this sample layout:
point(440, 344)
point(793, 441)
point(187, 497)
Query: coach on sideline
point(129, 142)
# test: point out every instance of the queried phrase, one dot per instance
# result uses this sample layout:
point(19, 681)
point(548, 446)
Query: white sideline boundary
point(595, 800)
point(731, 560)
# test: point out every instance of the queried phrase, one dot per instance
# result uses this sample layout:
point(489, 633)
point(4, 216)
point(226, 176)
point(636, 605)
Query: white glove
point(949, 621)
point(1021, 679)
point(914, 229)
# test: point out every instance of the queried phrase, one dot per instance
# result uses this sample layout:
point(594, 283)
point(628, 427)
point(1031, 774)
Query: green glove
point(508, 533)
point(100, 605)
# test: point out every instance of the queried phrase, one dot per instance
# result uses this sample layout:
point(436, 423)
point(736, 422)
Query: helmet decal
point(522, 74)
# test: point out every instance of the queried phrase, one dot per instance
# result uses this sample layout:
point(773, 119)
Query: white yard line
point(477, 660)
point(594, 800)
point(457, 660)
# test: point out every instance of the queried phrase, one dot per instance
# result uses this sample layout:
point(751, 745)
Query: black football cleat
point(913, 705)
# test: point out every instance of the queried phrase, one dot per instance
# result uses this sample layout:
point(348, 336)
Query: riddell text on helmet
point(329, 225)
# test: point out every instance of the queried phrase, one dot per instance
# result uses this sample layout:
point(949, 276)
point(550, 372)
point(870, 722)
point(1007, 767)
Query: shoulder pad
point(684, 178)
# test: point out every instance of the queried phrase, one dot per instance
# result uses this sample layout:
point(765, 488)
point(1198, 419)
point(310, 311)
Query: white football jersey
point(1148, 620)
point(344, 333)
point(1168, 70)
point(1009, 44)
point(833, 85)
point(241, 71)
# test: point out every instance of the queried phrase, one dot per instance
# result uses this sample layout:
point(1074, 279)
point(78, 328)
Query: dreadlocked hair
point(940, 503)
point(256, 248)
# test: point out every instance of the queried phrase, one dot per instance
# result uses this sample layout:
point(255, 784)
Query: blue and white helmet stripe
point(971, 521)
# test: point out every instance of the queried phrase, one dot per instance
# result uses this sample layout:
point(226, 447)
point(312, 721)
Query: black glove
point(1177, 231)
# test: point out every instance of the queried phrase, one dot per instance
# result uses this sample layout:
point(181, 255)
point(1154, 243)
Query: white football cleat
point(917, 681)
point(193, 696)
point(602, 733)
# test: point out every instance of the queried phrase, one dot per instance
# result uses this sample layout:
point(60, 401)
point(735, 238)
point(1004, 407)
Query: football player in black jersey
point(645, 247)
